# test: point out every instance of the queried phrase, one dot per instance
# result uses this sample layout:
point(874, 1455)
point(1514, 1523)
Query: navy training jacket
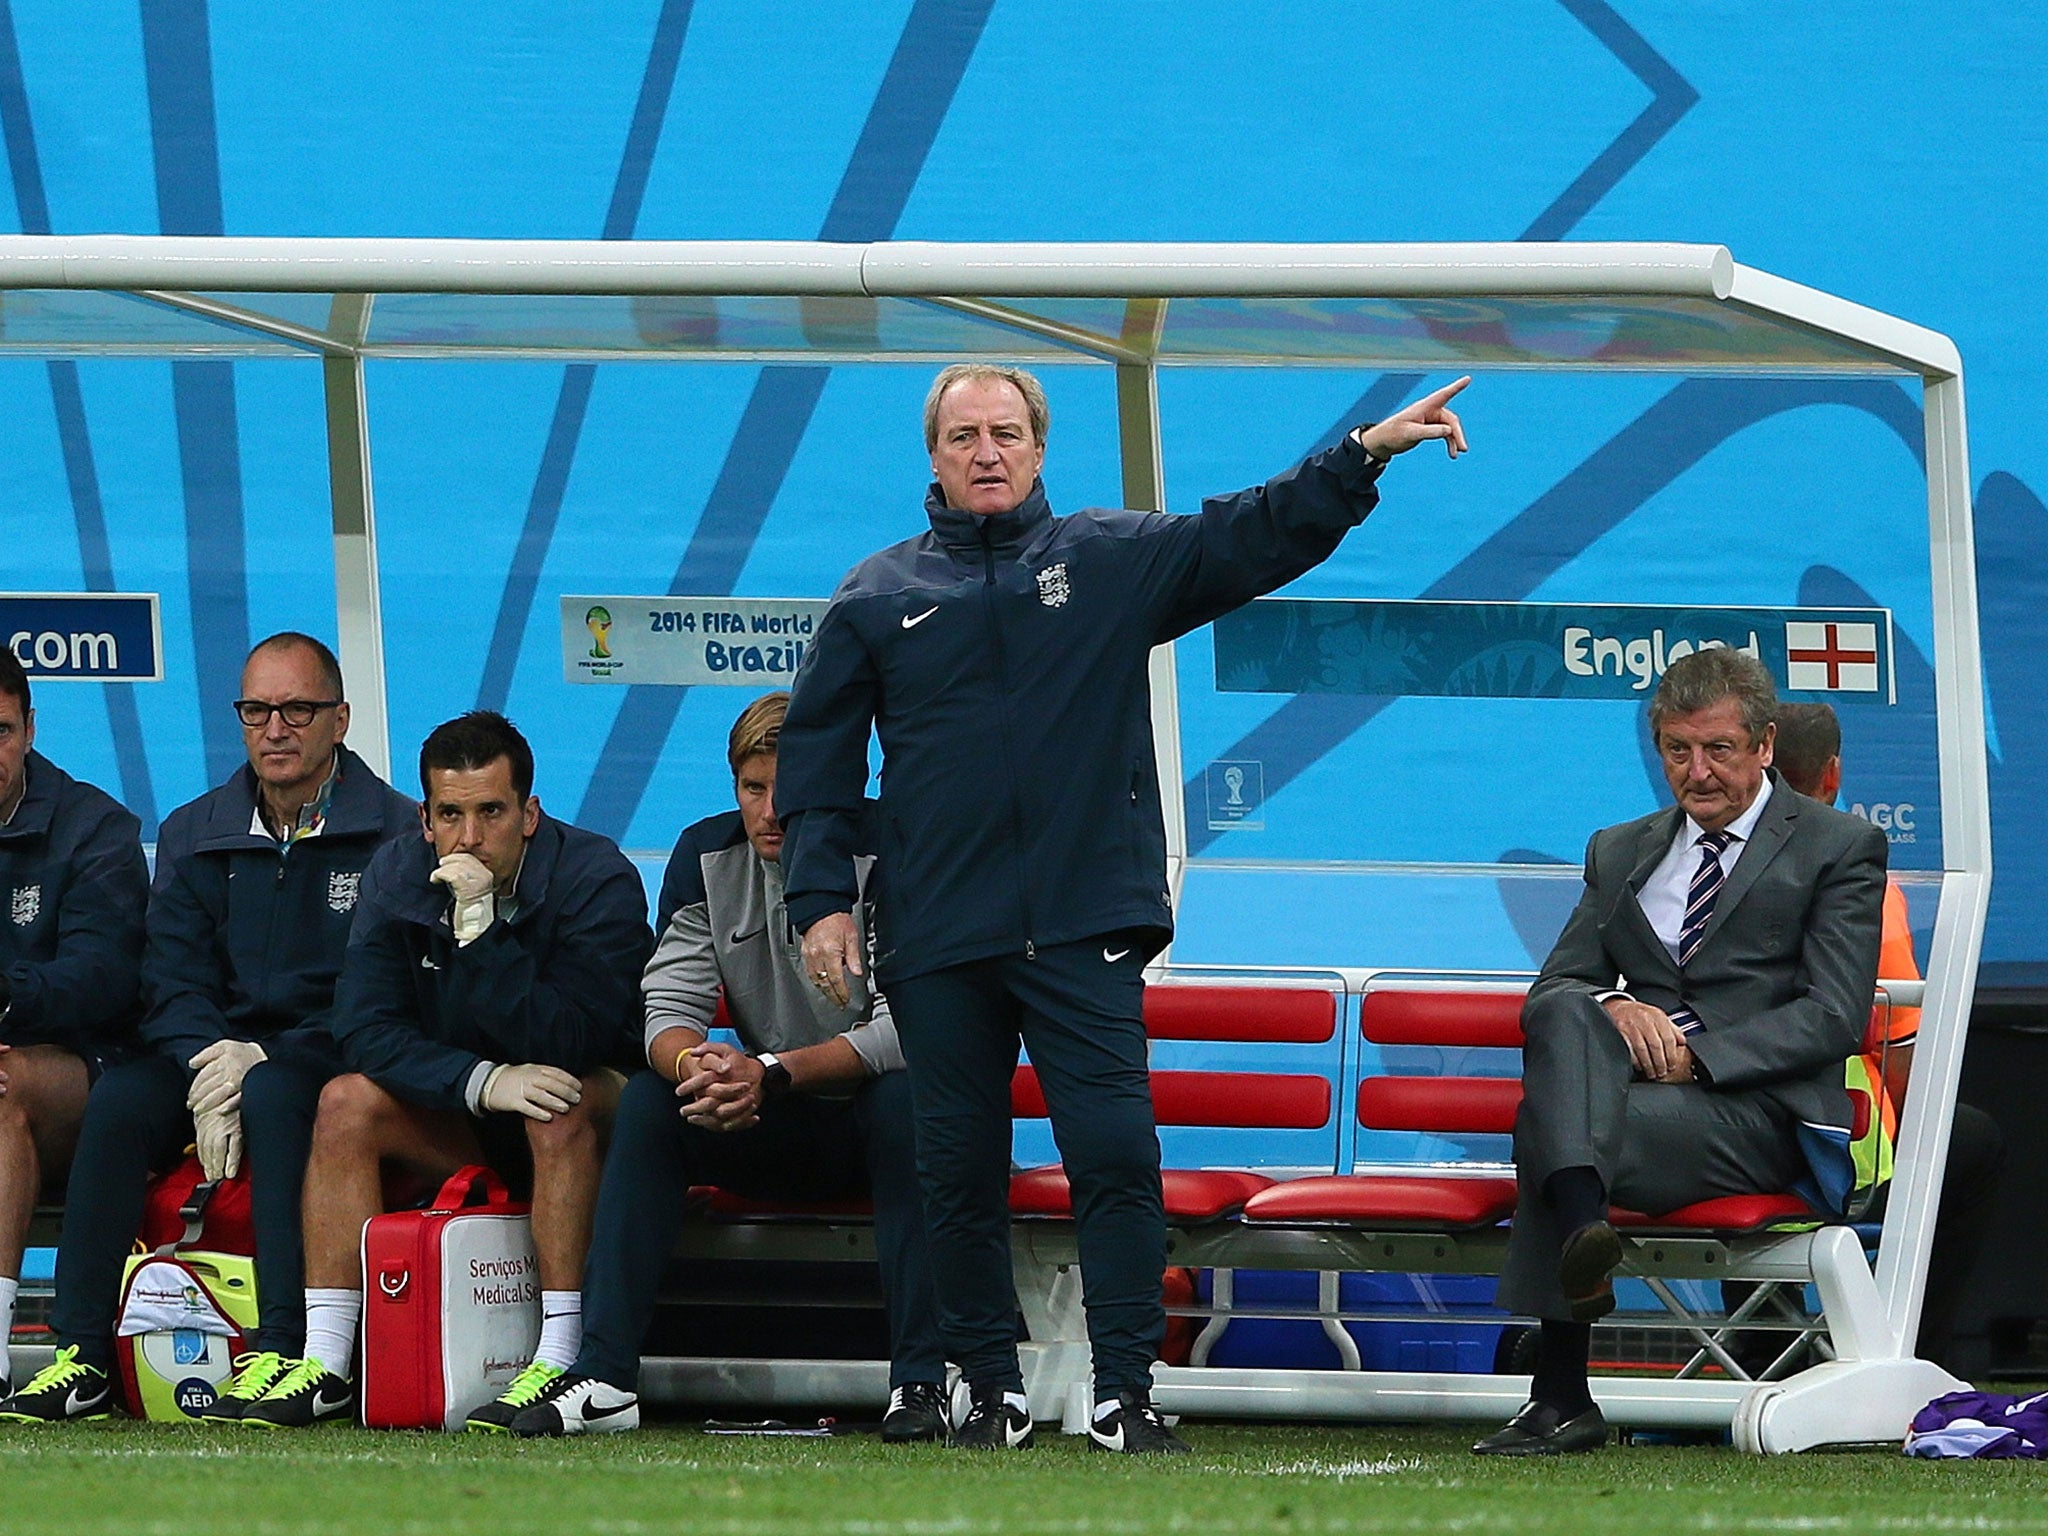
point(75, 887)
point(558, 982)
point(246, 939)
point(1003, 661)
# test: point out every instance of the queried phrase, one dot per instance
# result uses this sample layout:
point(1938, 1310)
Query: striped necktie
point(1707, 881)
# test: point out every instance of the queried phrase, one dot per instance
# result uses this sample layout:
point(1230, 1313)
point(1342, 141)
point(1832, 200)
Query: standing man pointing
point(1002, 658)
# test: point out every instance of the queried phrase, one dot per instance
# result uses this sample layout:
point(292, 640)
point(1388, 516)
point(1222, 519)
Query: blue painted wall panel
point(1876, 151)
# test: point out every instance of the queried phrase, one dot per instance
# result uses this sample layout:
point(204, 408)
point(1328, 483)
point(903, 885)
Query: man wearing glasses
point(249, 914)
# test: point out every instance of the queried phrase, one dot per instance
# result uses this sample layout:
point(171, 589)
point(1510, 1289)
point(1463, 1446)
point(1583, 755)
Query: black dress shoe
point(1540, 1430)
point(1585, 1270)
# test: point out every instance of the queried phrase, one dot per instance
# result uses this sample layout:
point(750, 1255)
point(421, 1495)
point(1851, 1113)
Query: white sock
point(9, 1289)
point(561, 1328)
point(331, 1318)
point(1018, 1401)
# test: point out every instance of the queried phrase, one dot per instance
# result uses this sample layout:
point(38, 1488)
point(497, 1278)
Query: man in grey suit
point(1687, 1035)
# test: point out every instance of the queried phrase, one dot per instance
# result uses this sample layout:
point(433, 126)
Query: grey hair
point(1026, 384)
point(1705, 678)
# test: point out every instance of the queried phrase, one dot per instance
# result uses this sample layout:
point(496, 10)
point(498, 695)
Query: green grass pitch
point(143, 1479)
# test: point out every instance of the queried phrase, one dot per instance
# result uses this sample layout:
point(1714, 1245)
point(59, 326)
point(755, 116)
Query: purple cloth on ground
point(1986, 1425)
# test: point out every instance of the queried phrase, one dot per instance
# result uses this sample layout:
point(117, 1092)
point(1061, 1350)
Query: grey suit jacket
point(1782, 981)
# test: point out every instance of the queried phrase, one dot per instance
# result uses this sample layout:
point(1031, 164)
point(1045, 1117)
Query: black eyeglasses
point(255, 713)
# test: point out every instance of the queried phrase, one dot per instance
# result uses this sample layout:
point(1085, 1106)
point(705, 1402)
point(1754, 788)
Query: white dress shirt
point(1663, 896)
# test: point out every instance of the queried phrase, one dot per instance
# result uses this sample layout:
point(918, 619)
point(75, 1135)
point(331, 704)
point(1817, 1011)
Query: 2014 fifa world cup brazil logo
point(599, 622)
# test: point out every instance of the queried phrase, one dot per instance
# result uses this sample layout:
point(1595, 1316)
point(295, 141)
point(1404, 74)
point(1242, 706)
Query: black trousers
point(803, 1148)
point(1078, 1009)
point(136, 1124)
point(1656, 1146)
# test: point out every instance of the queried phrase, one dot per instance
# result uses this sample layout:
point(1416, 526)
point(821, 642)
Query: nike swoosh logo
point(1113, 958)
point(741, 938)
point(322, 1404)
point(1108, 1442)
point(592, 1413)
point(911, 621)
point(78, 1401)
point(427, 963)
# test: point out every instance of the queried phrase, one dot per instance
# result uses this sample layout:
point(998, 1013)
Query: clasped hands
point(1655, 1046)
point(721, 1090)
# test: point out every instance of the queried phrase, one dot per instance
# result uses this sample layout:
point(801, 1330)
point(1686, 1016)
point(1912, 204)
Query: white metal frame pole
point(1143, 461)
point(1966, 862)
point(358, 609)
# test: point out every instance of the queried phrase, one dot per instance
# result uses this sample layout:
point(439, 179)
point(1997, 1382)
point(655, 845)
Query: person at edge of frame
point(75, 885)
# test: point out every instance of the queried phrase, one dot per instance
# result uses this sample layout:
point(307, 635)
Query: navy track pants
point(1079, 1010)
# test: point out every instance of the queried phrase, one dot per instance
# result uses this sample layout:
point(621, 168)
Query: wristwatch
point(775, 1077)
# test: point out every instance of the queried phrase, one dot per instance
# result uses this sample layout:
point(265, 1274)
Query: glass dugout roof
point(1682, 308)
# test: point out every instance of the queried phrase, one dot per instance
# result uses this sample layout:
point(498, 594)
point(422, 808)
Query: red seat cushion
point(1403, 1199)
point(1448, 1104)
point(1303, 1015)
point(1259, 1100)
point(1729, 1213)
point(1392, 1016)
point(1192, 1194)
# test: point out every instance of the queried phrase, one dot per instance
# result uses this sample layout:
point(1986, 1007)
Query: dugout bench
point(1270, 1163)
point(1299, 1071)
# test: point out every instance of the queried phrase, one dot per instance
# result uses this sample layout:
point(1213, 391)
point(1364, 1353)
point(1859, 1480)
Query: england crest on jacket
point(1052, 585)
point(341, 889)
point(28, 904)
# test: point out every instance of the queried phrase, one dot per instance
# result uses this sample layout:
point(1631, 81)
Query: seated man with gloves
point(490, 992)
point(248, 920)
point(820, 1109)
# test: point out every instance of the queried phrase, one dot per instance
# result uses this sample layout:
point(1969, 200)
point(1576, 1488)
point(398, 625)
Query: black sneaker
point(65, 1391)
point(305, 1395)
point(255, 1374)
point(496, 1417)
point(917, 1411)
point(992, 1424)
point(1134, 1428)
point(577, 1405)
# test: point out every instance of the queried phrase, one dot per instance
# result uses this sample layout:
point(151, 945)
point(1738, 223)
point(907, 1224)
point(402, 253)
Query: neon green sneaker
point(255, 1374)
point(306, 1394)
point(496, 1418)
point(65, 1391)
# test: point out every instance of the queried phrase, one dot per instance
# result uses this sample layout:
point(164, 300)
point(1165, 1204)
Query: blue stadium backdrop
point(1879, 151)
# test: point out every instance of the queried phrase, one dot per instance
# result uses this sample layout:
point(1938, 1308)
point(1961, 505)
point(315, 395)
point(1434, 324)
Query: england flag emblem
point(1830, 657)
point(28, 902)
point(342, 889)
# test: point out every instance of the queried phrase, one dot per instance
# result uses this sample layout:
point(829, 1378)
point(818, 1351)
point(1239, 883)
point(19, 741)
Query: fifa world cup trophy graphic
point(1233, 776)
point(599, 622)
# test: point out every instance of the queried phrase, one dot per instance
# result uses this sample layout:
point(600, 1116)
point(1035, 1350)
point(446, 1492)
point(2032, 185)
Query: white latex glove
point(219, 1071)
point(476, 907)
point(219, 1135)
point(535, 1091)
